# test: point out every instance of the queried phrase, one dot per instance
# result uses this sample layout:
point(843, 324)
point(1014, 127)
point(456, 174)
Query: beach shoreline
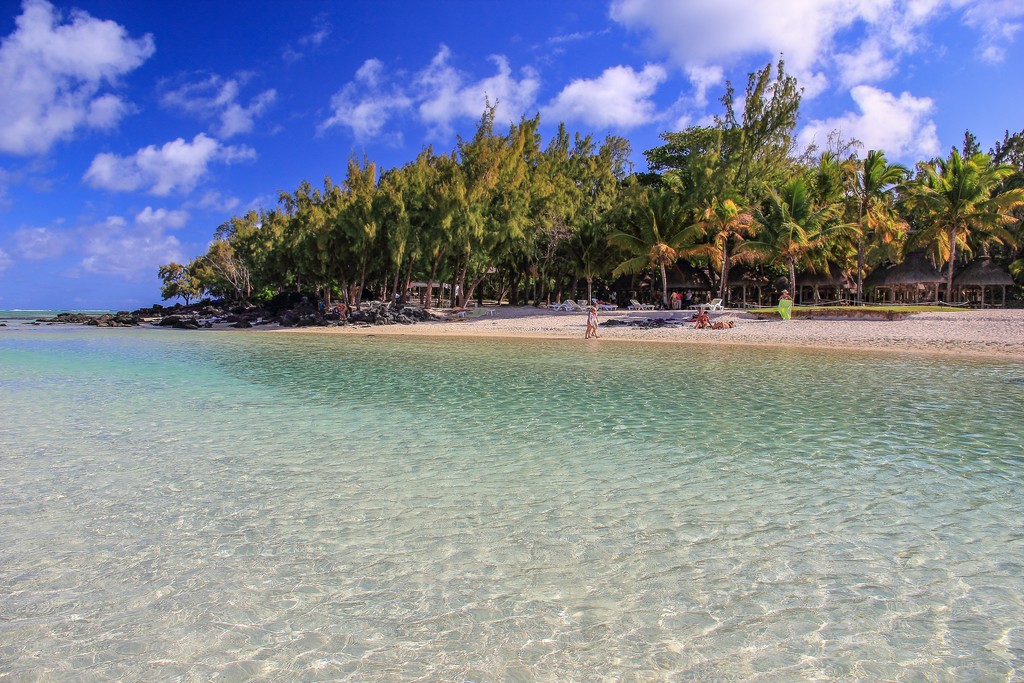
point(980, 333)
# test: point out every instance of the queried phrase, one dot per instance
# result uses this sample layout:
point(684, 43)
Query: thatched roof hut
point(833, 280)
point(748, 287)
point(684, 276)
point(908, 279)
point(982, 276)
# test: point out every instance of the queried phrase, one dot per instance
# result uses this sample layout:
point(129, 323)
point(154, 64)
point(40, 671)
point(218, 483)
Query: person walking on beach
point(592, 324)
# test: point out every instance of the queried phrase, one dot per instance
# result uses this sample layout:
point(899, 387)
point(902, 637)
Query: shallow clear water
point(238, 505)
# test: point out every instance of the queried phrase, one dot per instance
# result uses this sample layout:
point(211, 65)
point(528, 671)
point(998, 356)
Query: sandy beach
point(993, 332)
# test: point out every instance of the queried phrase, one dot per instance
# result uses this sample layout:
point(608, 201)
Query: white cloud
point(52, 72)
point(322, 30)
point(40, 243)
point(868, 64)
point(213, 200)
point(217, 98)
point(445, 95)
point(617, 98)
point(863, 40)
point(703, 78)
point(118, 248)
point(708, 31)
point(5, 261)
point(439, 94)
point(161, 219)
point(998, 21)
point(898, 125)
point(363, 105)
point(176, 166)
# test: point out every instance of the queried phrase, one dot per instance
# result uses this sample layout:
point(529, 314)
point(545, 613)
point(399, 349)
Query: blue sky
point(130, 130)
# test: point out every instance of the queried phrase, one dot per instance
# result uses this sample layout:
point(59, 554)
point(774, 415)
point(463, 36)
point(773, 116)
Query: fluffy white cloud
point(709, 31)
point(52, 72)
point(898, 125)
point(445, 95)
point(365, 105)
point(217, 98)
point(177, 165)
point(703, 78)
point(862, 39)
point(617, 98)
point(132, 250)
point(439, 93)
point(5, 261)
point(161, 219)
point(37, 244)
point(998, 21)
point(868, 64)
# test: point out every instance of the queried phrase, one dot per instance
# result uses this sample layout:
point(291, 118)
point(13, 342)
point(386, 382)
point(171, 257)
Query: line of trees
point(505, 217)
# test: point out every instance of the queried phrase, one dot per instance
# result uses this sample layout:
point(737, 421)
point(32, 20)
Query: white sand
point(994, 332)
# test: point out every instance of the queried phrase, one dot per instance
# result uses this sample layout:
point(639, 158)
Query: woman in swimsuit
point(592, 324)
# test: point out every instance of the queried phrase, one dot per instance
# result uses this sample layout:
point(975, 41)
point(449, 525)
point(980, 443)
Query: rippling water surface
point(234, 506)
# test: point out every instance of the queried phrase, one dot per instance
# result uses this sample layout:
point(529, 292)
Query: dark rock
point(242, 324)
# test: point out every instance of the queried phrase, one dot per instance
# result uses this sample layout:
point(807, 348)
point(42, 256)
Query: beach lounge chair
point(635, 305)
point(558, 307)
point(607, 307)
point(573, 307)
point(714, 305)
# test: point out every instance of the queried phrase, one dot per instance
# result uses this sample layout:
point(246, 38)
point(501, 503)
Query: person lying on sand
point(727, 325)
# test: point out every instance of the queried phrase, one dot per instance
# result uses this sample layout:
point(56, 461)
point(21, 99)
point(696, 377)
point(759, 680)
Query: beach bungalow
point(980, 279)
point(683, 278)
point(916, 280)
point(831, 286)
point(748, 288)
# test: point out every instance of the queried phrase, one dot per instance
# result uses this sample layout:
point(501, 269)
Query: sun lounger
point(573, 307)
point(635, 305)
point(714, 304)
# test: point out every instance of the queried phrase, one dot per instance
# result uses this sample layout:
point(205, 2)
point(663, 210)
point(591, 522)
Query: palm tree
point(657, 235)
point(872, 183)
point(956, 196)
point(792, 228)
point(725, 221)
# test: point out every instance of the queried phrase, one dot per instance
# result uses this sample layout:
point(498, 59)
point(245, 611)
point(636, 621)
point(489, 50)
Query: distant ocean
point(236, 505)
point(17, 314)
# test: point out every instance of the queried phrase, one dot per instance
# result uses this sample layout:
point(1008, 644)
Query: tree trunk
point(860, 271)
point(792, 278)
point(590, 288)
point(949, 267)
point(723, 291)
point(664, 286)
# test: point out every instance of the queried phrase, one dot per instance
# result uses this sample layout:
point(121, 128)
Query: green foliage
point(180, 281)
point(502, 211)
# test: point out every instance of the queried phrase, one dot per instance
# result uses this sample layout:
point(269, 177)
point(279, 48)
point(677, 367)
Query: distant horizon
point(129, 132)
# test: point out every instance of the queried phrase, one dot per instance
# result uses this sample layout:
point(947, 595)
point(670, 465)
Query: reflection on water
point(236, 506)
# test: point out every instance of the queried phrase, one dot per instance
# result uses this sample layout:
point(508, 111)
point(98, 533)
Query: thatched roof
point(982, 272)
point(833, 277)
point(740, 275)
point(915, 270)
point(684, 276)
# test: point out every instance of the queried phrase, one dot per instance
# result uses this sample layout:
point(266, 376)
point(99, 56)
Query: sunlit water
point(236, 506)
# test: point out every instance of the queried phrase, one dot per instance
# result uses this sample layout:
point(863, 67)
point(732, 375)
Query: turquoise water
point(235, 506)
